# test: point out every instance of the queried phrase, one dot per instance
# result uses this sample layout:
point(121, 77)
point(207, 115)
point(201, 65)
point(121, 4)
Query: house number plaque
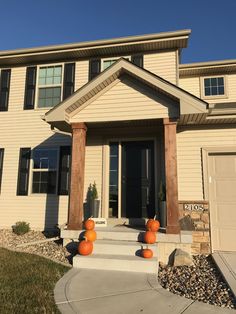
point(191, 207)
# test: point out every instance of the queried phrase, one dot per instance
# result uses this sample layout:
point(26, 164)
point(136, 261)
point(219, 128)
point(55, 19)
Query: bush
point(21, 227)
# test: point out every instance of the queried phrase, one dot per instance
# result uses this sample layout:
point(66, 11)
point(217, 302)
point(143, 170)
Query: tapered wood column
point(171, 176)
point(75, 214)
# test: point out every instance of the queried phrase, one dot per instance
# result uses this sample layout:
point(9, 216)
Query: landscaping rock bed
point(202, 282)
point(53, 249)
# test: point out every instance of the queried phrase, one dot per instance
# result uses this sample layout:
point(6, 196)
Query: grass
point(27, 283)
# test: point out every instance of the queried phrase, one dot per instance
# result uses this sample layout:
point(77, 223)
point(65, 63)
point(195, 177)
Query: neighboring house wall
point(190, 140)
point(163, 64)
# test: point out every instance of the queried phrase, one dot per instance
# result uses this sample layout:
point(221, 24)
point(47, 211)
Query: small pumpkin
point(85, 247)
point(153, 225)
point(149, 237)
point(91, 235)
point(147, 253)
point(89, 224)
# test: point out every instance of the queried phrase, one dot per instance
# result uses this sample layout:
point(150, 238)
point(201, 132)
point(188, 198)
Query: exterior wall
point(25, 128)
point(189, 144)
point(81, 73)
point(126, 101)
point(163, 64)
point(193, 85)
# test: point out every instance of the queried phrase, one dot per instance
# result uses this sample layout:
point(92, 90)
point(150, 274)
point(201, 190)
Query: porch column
point(75, 214)
point(171, 176)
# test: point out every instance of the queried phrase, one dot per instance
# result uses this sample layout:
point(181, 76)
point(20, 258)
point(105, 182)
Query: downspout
point(56, 131)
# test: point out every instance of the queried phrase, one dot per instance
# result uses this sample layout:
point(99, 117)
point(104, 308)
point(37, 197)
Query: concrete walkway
point(114, 292)
point(226, 262)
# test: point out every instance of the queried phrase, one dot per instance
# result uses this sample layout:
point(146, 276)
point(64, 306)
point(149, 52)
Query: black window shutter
point(94, 68)
point(137, 60)
point(30, 86)
point(64, 170)
point(4, 89)
point(23, 171)
point(69, 80)
point(1, 165)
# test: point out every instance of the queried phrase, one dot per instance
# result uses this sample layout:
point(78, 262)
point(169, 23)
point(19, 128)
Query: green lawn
point(27, 283)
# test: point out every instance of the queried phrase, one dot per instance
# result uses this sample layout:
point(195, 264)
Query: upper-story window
point(214, 86)
point(49, 86)
point(106, 63)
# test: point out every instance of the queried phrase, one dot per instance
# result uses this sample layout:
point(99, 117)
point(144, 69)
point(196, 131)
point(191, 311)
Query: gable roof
point(189, 103)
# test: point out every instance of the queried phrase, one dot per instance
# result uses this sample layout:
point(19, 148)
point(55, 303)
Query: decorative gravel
point(53, 249)
point(202, 282)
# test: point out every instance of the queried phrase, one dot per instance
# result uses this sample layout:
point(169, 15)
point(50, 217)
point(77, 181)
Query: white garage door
point(222, 196)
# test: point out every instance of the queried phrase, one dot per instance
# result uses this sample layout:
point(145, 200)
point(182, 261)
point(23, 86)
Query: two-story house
point(123, 113)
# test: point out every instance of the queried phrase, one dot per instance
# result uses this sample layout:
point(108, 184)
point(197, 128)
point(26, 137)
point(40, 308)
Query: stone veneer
point(196, 219)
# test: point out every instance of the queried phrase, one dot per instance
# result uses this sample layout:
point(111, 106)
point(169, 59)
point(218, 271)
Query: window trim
point(111, 58)
point(44, 86)
point(1, 166)
point(57, 149)
point(203, 96)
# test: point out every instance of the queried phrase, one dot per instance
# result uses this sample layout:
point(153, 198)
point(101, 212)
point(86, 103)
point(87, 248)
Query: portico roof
point(188, 103)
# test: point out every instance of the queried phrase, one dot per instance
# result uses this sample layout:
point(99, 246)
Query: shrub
point(21, 227)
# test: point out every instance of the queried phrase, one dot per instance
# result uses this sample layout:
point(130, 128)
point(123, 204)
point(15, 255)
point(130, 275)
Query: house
point(126, 114)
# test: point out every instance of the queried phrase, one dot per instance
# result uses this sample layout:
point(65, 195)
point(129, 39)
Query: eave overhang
point(118, 46)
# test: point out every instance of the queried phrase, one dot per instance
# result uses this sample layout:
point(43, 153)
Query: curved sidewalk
point(113, 292)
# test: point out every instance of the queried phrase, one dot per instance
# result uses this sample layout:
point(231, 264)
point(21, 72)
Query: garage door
point(222, 196)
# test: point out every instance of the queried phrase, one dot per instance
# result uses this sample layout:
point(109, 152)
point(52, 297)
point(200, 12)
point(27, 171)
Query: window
point(44, 171)
point(49, 86)
point(214, 86)
point(106, 63)
point(113, 181)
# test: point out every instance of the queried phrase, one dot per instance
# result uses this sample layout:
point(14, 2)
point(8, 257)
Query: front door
point(138, 192)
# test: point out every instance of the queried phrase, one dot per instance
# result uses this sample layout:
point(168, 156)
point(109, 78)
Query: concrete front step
point(116, 262)
point(124, 234)
point(129, 248)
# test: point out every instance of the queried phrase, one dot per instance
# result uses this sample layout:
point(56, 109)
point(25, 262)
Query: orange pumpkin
point(153, 225)
point(85, 247)
point(90, 235)
point(149, 237)
point(147, 253)
point(89, 224)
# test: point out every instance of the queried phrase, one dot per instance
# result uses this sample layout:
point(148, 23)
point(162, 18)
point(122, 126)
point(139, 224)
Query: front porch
point(132, 114)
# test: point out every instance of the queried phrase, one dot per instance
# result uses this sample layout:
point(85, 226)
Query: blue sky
point(25, 23)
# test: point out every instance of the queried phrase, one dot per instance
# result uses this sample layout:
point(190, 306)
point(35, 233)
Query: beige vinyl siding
point(191, 85)
point(25, 128)
point(81, 73)
point(162, 64)
point(126, 101)
point(189, 144)
point(93, 163)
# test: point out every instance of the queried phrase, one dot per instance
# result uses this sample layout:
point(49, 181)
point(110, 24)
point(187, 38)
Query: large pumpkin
point(147, 253)
point(149, 237)
point(89, 224)
point(85, 247)
point(90, 235)
point(153, 225)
